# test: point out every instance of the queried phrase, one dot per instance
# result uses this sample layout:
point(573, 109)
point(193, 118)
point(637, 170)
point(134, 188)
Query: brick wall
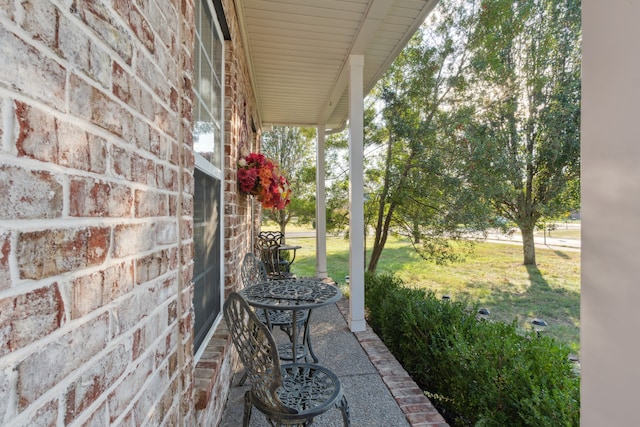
point(96, 190)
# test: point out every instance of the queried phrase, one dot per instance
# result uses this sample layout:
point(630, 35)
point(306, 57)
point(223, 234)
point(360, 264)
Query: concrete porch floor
point(379, 390)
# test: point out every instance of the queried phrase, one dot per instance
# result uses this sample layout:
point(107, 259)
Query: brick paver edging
point(415, 405)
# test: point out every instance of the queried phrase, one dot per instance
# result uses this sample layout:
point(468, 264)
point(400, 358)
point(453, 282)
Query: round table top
point(292, 294)
point(288, 247)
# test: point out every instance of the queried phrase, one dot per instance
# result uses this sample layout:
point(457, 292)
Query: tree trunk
point(282, 230)
point(381, 239)
point(528, 247)
point(415, 232)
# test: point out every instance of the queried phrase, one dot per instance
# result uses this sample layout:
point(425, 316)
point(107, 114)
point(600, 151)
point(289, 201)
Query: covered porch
point(311, 65)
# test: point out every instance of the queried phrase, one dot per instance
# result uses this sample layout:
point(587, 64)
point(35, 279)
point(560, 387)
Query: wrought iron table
point(296, 295)
point(293, 248)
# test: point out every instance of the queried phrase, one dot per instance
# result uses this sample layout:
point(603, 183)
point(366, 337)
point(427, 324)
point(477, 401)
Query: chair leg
point(247, 409)
point(306, 338)
point(243, 378)
point(344, 408)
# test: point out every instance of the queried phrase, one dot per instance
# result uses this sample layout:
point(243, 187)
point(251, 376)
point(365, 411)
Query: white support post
point(356, 194)
point(321, 211)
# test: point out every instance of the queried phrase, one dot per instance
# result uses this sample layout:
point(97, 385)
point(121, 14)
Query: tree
point(293, 149)
point(522, 147)
point(418, 191)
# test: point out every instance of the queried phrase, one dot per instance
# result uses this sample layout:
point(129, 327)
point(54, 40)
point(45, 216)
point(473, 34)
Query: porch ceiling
point(298, 52)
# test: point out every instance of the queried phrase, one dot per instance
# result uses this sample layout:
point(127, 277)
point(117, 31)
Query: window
point(208, 175)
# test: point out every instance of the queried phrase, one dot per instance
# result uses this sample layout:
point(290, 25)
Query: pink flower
point(261, 177)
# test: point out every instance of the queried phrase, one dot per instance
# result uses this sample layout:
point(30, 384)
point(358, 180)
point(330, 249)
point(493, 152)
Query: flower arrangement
point(261, 177)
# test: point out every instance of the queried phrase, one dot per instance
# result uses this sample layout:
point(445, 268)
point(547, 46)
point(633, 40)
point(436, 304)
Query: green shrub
point(477, 373)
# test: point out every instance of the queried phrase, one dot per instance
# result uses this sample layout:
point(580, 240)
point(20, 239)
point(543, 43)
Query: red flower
point(261, 177)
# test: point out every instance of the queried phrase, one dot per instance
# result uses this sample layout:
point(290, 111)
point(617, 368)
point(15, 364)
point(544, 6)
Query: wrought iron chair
point(288, 394)
point(253, 271)
point(268, 246)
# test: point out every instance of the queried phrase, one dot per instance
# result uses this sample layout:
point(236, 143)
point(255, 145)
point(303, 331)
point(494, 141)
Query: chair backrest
point(252, 270)
point(276, 236)
point(257, 350)
point(267, 245)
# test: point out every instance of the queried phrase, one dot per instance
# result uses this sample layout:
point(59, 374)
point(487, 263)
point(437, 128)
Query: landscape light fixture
point(539, 325)
point(483, 314)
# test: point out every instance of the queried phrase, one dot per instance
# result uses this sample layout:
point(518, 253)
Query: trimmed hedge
point(477, 373)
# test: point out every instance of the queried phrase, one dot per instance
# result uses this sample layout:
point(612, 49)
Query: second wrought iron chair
point(253, 271)
point(268, 246)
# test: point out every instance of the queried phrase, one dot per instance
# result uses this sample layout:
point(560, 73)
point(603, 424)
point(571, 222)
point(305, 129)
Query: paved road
point(515, 239)
point(541, 242)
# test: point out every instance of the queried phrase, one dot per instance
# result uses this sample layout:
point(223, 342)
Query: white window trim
point(206, 167)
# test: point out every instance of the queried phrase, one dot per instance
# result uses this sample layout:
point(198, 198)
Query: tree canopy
point(522, 142)
point(293, 149)
point(478, 118)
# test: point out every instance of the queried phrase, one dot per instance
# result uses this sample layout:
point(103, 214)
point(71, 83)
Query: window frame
point(201, 163)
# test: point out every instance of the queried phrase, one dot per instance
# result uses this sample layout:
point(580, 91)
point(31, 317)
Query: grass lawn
point(493, 276)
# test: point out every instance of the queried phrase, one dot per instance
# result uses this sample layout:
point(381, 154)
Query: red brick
point(86, 55)
point(45, 416)
point(36, 137)
point(426, 417)
point(166, 178)
point(165, 146)
point(29, 317)
point(172, 312)
point(129, 310)
point(130, 239)
point(118, 281)
point(100, 109)
point(145, 406)
point(123, 162)
point(100, 288)
point(86, 294)
point(150, 203)
point(143, 137)
point(98, 241)
point(147, 70)
point(143, 170)
point(5, 252)
point(81, 150)
point(48, 253)
point(95, 198)
point(7, 8)
point(127, 88)
point(138, 346)
point(120, 398)
point(410, 389)
point(164, 120)
point(98, 17)
point(29, 194)
point(29, 71)
point(95, 381)
point(152, 266)
point(98, 417)
point(137, 23)
point(41, 21)
point(168, 232)
point(187, 205)
point(46, 367)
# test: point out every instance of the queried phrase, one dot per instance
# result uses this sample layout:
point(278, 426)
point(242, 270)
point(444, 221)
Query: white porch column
point(356, 194)
point(321, 211)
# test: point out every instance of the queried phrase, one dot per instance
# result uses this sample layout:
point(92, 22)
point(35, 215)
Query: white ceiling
point(298, 52)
